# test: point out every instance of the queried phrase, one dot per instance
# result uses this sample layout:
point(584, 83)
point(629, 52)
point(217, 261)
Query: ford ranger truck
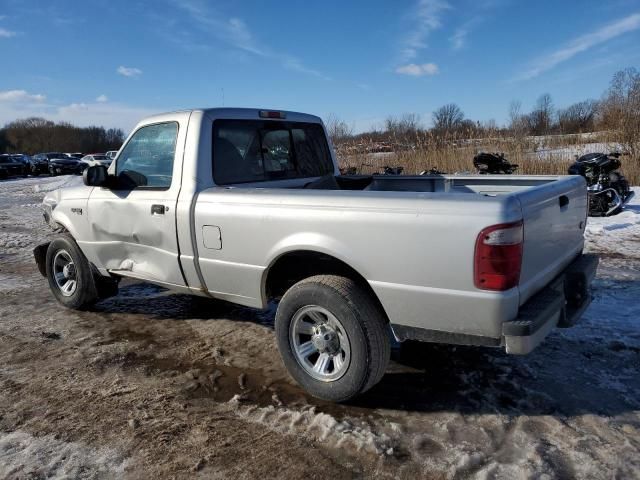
point(248, 206)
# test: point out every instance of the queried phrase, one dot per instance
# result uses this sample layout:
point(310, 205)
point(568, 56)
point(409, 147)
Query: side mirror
point(95, 176)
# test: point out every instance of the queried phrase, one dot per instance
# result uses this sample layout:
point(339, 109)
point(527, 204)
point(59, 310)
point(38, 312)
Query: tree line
point(37, 135)
point(617, 110)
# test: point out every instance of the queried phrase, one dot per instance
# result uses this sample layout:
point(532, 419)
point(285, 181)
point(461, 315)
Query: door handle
point(157, 209)
point(563, 201)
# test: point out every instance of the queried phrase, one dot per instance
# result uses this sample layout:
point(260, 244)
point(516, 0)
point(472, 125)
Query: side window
point(147, 159)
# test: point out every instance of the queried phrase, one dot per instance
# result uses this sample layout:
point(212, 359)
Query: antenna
point(222, 96)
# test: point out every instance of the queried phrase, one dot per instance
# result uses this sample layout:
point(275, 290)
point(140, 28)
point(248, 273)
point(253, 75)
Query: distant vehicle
point(96, 159)
point(493, 163)
point(61, 164)
point(39, 164)
point(76, 155)
point(111, 154)
point(11, 167)
point(21, 157)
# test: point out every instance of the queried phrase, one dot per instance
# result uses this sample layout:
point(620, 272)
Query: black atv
point(607, 188)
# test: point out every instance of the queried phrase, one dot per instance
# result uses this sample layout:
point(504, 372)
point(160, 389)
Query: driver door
point(133, 223)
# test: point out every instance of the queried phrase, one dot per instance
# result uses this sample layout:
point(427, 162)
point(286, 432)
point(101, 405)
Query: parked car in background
point(21, 157)
point(11, 166)
point(76, 155)
point(62, 165)
point(38, 164)
point(45, 159)
point(111, 154)
point(96, 159)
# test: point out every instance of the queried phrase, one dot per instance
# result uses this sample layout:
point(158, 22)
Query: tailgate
point(554, 217)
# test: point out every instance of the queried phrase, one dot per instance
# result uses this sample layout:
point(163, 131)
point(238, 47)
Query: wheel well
point(292, 267)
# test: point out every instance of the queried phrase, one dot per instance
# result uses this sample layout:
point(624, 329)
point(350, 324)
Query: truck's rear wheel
point(69, 274)
point(332, 336)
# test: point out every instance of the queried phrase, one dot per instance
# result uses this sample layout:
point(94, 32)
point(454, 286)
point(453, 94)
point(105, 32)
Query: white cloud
point(20, 96)
point(581, 44)
point(129, 71)
point(427, 14)
point(459, 38)
point(4, 33)
point(235, 32)
point(104, 114)
point(418, 70)
point(15, 104)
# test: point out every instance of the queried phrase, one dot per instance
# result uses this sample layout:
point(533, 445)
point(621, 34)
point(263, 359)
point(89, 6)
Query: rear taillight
point(498, 256)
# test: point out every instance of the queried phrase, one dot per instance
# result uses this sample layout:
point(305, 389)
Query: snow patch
point(24, 456)
point(316, 426)
point(618, 234)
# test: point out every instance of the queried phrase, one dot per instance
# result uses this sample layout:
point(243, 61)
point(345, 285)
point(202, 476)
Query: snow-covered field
point(571, 152)
point(152, 383)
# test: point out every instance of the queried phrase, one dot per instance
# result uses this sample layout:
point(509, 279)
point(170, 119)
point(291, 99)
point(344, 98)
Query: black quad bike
point(607, 188)
point(493, 163)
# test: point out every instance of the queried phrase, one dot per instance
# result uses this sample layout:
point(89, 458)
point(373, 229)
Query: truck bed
point(411, 238)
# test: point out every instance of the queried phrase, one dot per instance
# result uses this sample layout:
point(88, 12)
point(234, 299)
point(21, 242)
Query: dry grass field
point(543, 155)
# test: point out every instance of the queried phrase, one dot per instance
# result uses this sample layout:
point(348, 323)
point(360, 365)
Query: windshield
point(253, 151)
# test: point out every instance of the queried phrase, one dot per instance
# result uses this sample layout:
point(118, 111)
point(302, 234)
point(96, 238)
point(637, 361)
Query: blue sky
point(111, 62)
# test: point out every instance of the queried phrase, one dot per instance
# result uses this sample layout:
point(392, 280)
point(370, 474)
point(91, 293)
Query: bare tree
point(337, 129)
point(407, 124)
point(517, 121)
point(540, 120)
point(447, 118)
point(620, 108)
point(33, 135)
point(579, 117)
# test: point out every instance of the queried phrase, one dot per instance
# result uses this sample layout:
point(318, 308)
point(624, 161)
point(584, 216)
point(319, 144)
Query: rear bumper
point(559, 304)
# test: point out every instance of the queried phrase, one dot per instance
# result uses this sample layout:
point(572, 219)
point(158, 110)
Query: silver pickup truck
point(249, 206)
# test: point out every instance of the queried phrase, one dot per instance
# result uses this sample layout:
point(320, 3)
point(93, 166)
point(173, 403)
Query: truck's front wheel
point(69, 274)
point(332, 336)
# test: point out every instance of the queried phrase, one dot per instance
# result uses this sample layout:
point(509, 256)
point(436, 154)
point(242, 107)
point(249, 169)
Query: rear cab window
point(247, 151)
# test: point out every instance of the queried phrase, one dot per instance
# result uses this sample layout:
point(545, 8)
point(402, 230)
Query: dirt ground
point(154, 384)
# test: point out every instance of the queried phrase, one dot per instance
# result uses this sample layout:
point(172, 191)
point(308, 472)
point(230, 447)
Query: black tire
point(85, 293)
point(365, 325)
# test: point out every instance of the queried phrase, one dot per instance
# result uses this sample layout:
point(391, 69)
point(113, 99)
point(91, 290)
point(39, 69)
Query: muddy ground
point(154, 384)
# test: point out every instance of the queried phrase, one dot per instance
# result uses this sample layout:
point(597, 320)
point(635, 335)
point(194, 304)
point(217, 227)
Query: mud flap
point(40, 254)
point(105, 286)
